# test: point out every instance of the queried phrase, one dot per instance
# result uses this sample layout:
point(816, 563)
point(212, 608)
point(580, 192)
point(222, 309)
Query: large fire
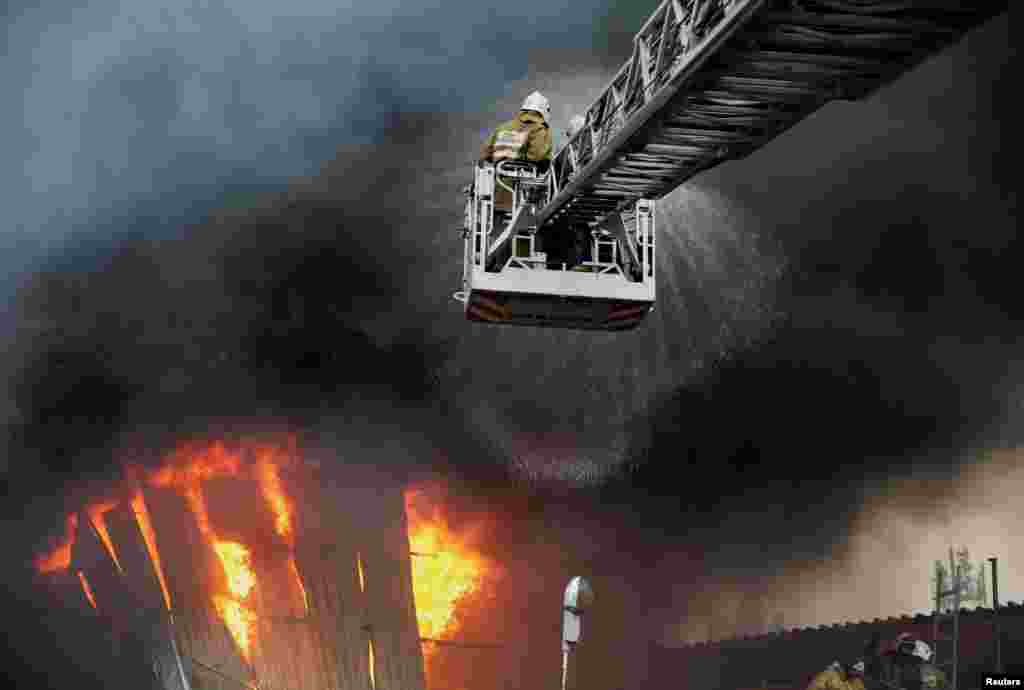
point(186, 476)
point(185, 471)
point(446, 570)
point(443, 572)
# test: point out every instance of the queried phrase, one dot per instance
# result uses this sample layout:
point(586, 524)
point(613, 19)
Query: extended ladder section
point(708, 81)
point(714, 80)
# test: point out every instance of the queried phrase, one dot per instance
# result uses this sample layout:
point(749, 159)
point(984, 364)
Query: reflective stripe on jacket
point(933, 677)
point(831, 679)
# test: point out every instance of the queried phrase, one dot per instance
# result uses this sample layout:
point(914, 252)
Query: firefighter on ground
point(932, 677)
point(525, 138)
point(910, 667)
point(840, 676)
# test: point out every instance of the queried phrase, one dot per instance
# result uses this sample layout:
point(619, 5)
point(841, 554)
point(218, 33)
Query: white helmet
point(575, 124)
point(922, 651)
point(536, 102)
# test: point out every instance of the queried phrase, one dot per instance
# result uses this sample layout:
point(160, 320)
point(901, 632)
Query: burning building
point(243, 566)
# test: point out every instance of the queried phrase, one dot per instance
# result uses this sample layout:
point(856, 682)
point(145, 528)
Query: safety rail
point(713, 80)
point(667, 37)
point(675, 38)
point(478, 219)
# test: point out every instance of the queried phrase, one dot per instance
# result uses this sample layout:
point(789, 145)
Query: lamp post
point(995, 614)
point(578, 597)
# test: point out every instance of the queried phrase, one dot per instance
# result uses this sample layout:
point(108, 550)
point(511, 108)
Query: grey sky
point(153, 112)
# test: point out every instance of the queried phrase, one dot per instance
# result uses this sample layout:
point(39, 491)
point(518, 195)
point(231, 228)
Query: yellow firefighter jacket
point(832, 679)
point(525, 138)
point(933, 677)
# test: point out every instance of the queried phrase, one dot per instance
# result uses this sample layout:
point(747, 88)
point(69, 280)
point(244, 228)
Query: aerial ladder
point(708, 81)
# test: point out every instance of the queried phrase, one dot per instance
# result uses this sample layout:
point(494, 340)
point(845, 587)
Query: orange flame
point(359, 571)
point(237, 566)
point(373, 666)
point(194, 464)
point(96, 515)
point(269, 475)
point(298, 581)
point(149, 536)
point(60, 557)
point(193, 493)
point(268, 472)
point(240, 622)
point(185, 471)
point(235, 560)
point(444, 571)
point(86, 588)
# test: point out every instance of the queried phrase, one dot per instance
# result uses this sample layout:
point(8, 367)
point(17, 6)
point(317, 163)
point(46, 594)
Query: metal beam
point(773, 65)
point(740, 12)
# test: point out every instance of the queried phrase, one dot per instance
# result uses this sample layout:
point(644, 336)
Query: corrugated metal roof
point(1011, 608)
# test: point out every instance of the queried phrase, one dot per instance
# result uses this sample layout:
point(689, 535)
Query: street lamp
point(578, 597)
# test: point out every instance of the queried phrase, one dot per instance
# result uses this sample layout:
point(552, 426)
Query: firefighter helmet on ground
point(906, 643)
point(922, 651)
